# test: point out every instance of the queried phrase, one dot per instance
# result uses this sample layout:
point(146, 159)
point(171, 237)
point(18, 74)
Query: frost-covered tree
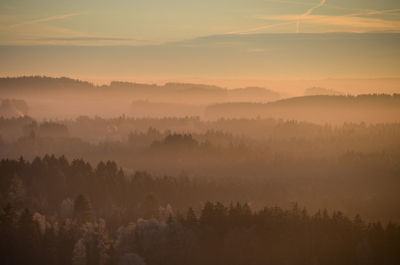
point(131, 259)
point(41, 222)
point(66, 208)
point(79, 253)
point(165, 212)
point(96, 242)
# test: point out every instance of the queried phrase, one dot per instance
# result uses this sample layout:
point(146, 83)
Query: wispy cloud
point(352, 22)
point(42, 32)
point(288, 2)
point(367, 12)
point(88, 39)
point(46, 19)
point(307, 13)
point(359, 20)
point(40, 27)
point(255, 29)
point(255, 50)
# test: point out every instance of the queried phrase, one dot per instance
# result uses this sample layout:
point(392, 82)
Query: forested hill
point(53, 211)
point(321, 108)
point(41, 83)
point(198, 93)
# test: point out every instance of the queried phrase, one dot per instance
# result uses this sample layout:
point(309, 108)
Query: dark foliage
point(219, 235)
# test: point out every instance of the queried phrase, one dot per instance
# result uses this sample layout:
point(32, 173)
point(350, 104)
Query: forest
point(196, 174)
point(213, 132)
point(68, 98)
point(50, 222)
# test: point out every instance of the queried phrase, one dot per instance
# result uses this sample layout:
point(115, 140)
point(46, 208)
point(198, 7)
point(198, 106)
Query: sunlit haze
point(213, 132)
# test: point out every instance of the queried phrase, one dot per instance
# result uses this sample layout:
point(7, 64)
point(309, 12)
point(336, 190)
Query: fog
point(213, 132)
point(66, 98)
point(128, 165)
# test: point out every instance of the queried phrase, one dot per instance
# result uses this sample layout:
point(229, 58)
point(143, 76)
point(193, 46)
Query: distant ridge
point(319, 108)
point(315, 91)
point(170, 91)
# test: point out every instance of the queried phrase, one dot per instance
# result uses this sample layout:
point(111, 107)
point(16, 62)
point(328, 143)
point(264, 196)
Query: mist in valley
point(177, 154)
point(199, 132)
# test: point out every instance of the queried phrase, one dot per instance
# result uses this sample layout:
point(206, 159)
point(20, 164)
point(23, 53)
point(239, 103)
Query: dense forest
point(262, 161)
point(143, 174)
point(60, 212)
point(214, 132)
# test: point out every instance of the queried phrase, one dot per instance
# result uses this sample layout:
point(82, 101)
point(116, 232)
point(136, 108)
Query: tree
point(8, 235)
point(131, 259)
point(66, 208)
point(79, 253)
point(28, 237)
point(82, 209)
point(151, 206)
point(16, 193)
point(191, 219)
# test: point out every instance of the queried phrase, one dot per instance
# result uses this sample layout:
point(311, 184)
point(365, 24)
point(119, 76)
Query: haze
point(207, 132)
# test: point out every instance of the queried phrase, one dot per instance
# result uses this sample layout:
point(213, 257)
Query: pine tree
point(28, 236)
point(82, 209)
point(8, 235)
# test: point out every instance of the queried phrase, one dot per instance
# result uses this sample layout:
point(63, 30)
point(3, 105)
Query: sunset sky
point(157, 23)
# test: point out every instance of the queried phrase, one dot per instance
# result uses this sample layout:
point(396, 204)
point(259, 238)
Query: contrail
point(260, 28)
point(307, 13)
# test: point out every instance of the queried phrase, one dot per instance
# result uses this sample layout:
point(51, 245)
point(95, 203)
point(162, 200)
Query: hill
point(321, 109)
point(170, 92)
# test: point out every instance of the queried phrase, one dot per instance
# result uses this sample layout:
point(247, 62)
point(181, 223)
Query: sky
point(179, 38)
point(141, 22)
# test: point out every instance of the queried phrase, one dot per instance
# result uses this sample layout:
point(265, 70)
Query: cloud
point(38, 31)
point(377, 12)
point(32, 29)
point(78, 40)
point(351, 23)
point(46, 19)
point(289, 2)
point(251, 30)
point(255, 50)
point(307, 13)
point(88, 39)
point(360, 20)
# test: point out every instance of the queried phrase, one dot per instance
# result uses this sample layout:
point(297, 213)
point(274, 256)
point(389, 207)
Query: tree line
point(216, 234)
